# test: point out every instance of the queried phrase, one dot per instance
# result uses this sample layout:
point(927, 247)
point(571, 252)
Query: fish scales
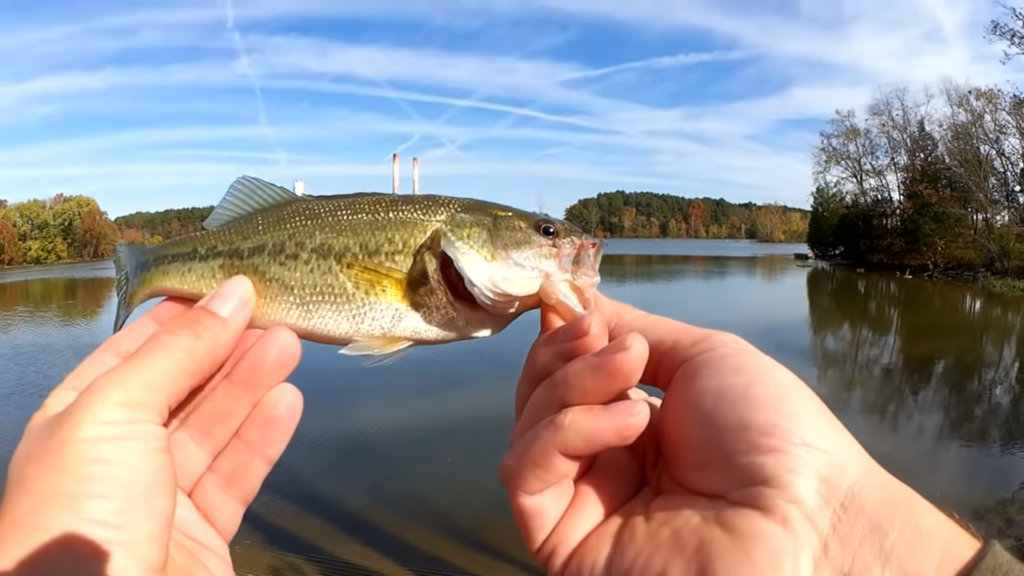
point(294, 258)
point(366, 268)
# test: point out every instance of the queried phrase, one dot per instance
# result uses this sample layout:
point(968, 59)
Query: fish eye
point(547, 229)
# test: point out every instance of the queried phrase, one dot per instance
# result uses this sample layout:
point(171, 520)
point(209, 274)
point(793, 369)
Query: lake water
point(393, 468)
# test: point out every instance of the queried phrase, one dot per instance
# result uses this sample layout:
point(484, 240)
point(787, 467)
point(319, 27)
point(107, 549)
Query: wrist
point(882, 526)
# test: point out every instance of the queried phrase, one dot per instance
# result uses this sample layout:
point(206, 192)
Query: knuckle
point(723, 339)
point(561, 421)
point(578, 348)
point(507, 470)
point(196, 328)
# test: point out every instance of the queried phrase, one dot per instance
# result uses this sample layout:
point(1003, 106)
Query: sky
point(534, 103)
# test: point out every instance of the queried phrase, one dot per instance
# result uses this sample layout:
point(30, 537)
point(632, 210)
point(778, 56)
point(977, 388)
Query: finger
point(183, 409)
point(234, 478)
point(201, 434)
point(672, 343)
point(551, 351)
point(550, 319)
point(613, 480)
point(112, 352)
point(150, 383)
point(539, 470)
point(596, 378)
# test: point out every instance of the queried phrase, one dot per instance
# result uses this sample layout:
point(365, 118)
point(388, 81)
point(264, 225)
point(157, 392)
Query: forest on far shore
point(622, 214)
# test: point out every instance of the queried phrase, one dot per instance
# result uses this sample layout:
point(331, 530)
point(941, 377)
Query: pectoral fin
point(384, 282)
point(375, 346)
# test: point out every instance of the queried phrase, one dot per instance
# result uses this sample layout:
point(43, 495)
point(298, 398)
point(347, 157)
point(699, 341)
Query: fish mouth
point(455, 282)
point(586, 262)
point(573, 290)
point(571, 284)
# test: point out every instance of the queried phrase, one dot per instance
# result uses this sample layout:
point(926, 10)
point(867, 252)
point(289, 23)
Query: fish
point(374, 273)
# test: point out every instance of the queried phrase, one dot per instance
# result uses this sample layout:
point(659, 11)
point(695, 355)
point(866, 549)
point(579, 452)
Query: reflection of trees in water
point(671, 267)
point(904, 350)
point(66, 300)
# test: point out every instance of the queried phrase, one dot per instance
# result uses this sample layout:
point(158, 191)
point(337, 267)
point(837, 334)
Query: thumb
point(177, 359)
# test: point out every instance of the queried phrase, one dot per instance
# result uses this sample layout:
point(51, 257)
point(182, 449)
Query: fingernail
point(625, 409)
point(231, 296)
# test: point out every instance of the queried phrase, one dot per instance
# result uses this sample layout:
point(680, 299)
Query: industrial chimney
point(394, 173)
point(415, 175)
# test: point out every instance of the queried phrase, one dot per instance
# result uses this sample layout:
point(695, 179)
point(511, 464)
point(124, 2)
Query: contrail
point(393, 95)
point(477, 96)
point(684, 59)
point(261, 109)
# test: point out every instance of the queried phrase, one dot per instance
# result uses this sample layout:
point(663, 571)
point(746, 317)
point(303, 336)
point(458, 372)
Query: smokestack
point(415, 175)
point(394, 173)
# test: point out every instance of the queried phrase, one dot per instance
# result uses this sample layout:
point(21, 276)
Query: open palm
point(144, 459)
point(740, 469)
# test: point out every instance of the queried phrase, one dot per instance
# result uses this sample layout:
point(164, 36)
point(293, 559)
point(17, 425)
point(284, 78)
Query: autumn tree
point(10, 251)
point(96, 235)
point(1008, 31)
point(696, 219)
point(920, 181)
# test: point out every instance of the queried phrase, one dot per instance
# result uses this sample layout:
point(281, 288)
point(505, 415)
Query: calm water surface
point(392, 470)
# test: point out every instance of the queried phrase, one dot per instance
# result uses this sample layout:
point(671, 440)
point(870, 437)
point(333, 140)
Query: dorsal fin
point(246, 195)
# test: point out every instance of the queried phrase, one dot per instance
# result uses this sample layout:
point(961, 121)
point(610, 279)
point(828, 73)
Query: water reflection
point(921, 357)
point(62, 300)
point(669, 268)
point(51, 317)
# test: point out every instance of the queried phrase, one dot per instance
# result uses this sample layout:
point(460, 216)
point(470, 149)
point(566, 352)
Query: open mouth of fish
point(455, 282)
point(571, 287)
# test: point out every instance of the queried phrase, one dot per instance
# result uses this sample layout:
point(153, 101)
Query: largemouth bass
point(373, 272)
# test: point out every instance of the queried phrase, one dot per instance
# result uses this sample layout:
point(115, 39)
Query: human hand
point(741, 469)
point(144, 459)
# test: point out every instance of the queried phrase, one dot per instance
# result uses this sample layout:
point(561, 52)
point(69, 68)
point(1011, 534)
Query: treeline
point(75, 228)
point(58, 229)
point(928, 180)
point(623, 214)
point(155, 227)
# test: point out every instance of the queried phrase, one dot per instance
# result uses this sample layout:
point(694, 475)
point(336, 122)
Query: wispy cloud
point(245, 64)
point(526, 102)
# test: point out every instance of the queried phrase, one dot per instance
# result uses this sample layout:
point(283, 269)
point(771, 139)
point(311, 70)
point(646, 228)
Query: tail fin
point(126, 264)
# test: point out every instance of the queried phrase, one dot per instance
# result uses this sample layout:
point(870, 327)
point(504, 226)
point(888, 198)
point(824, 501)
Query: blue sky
point(159, 104)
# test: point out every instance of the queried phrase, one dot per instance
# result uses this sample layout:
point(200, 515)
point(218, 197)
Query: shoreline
point(980, 277)
point(19, 267)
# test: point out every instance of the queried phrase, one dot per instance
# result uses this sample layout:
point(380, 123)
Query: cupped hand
point(143, 460)
point(739, 469)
